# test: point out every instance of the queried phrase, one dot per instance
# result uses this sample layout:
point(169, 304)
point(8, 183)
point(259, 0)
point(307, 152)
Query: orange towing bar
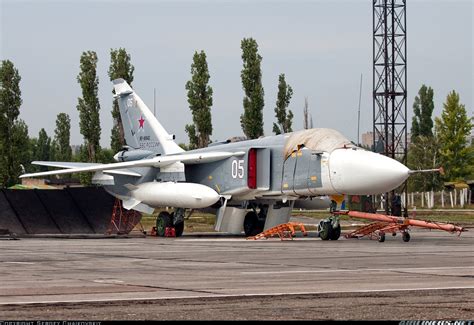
point(404, 221)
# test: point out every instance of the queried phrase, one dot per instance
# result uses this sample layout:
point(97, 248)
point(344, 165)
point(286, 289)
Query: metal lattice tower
point(389, 83)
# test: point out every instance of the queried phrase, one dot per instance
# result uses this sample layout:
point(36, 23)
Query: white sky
point(321, 46)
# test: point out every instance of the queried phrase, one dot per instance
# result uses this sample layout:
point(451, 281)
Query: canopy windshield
point(322, 139)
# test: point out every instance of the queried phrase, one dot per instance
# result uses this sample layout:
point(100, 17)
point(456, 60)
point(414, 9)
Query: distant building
point(76, 149)
point(58, 183)
point(368, 139)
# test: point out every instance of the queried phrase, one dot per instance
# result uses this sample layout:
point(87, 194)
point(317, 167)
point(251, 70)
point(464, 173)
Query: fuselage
point(304, 163)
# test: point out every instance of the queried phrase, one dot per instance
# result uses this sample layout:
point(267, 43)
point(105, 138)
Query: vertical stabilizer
point(141, 128)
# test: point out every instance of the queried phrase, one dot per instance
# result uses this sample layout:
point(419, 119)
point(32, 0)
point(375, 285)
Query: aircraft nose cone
point(361, 172)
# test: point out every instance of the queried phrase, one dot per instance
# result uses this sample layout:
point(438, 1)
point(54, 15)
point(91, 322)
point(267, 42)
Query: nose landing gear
point(330, 228)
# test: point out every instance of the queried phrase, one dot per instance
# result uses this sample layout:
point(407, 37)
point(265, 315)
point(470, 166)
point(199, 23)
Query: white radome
point(361, 172)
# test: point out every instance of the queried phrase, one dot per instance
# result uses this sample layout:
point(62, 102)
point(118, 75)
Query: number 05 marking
point(238, 169)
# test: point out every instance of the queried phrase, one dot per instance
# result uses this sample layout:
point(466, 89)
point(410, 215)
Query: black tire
point(162, 222)
point(252, 226)
point(179, 228)
point(325, 230)
point(335, 232)
point(381, 238)
point(406, 237)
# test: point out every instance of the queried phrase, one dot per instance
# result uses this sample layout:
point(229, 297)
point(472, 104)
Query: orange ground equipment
point(123, 221)
point(284, 231)
point(391, 224)
point(169, 232)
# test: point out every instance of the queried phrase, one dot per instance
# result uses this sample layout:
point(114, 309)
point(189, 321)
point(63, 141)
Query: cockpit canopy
point(324, 140)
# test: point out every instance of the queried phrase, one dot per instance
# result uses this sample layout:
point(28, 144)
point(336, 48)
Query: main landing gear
point(166, 222)
point(330, 228)
point(253, 223)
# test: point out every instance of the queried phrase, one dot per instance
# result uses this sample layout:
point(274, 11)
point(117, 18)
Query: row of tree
point(18, 149)
point(443, 141)
point(57, 149)
point(89, 106)
point(13, 131)
point(251, 120)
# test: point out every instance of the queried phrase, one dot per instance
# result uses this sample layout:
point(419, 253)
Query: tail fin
point(141, 128)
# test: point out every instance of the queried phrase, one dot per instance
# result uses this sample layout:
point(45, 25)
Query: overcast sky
point(322, 47)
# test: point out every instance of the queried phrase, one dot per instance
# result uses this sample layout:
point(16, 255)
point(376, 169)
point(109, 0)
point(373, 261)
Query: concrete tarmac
point(219, 277)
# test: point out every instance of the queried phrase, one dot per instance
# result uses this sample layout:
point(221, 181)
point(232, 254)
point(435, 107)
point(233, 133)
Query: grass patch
point(197, 222)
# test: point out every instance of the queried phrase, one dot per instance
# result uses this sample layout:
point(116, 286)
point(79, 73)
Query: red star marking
point(141, 121)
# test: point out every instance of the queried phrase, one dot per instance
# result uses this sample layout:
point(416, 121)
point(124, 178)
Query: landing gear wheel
point(335, 232)
point(252, 226)
point(162, 222)
point(325, 229)
point(381, 237)
point(179, 228)
point(406, 237)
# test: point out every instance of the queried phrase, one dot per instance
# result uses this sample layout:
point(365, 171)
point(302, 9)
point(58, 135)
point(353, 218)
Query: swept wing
point(159, 161)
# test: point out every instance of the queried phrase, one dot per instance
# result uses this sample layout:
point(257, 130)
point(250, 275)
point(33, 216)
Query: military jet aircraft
point(252, 184)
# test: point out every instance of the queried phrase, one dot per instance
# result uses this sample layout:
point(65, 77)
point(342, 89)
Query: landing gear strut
point(178, 221)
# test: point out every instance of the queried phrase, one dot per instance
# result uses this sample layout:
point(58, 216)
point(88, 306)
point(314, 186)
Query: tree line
point(199, 94)
point(18, 149)
point(440, 141)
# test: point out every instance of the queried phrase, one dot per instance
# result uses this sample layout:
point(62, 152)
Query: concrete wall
point(86, 210)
